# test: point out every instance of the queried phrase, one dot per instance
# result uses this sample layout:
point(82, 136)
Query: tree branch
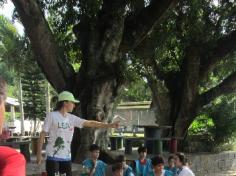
point(188, 79)
point(49, 56)
point(224, 46)
point(138, 25)
point(103, 33)
point(227, 86)
point(111, 25)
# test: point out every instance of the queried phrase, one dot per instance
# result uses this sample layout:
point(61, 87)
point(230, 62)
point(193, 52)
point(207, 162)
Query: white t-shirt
point(186, 172)
point(60, 129)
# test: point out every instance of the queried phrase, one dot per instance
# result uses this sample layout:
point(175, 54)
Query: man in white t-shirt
point(182, 169)
point(60, 125)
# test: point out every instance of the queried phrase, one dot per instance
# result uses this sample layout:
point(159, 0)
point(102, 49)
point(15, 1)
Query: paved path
point(35, 170)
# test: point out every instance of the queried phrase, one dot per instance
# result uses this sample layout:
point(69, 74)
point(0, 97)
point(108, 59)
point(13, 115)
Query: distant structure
point(12, 105)
point(135, 113)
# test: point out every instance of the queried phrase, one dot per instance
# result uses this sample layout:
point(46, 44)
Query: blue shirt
point(128, 171)
point(173, 169)
point(100, 166)
point(143, 169)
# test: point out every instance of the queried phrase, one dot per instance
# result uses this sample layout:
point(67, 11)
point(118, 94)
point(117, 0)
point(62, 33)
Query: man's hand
point(115, 124)
point(94, 163)
point(93, 169)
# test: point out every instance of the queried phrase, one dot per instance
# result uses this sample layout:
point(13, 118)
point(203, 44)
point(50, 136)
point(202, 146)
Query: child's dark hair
point(170, 158)
point(181, 157)
point(117, 166)
point(157, 160)
point(59, 105)
point(142, 149)
point(120, 158)
point(94, 147)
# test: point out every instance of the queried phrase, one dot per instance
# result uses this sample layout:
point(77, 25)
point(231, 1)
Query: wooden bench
point(116, 142)
point(18, 138)
point(129, 143)
point(153, 137)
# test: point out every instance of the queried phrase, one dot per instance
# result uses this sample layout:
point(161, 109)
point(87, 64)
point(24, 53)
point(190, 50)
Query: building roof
point(12, 101)
point(134, 105)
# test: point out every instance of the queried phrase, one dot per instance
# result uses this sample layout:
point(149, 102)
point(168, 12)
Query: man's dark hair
point(142, 149)
point(117, 166)
point(157, 160)
point(120, 158)
point(3, 89)
point(94, 147)
point(59, 105)
point(181, 157)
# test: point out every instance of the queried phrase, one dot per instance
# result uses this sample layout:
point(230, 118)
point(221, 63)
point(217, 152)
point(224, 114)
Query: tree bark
point(189, 92)
point(224, 46)
point(96, 100)
point(49, 56)
point(178, 105)
point(138, 25)
point(227, 86)
point(100, 72)
point(160, 102)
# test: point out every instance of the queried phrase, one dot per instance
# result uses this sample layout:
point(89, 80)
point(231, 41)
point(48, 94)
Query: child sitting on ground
point(158, 167)
point(171, 165)
point(117, 169)
point(180, 163)
point(96, 167)
point(142, 166)
point(127, 170)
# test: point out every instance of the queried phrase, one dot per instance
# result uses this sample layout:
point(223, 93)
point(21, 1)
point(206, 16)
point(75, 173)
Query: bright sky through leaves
point(7, 11)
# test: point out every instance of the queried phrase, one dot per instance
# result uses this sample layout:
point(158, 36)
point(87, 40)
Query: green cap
point(67, 96)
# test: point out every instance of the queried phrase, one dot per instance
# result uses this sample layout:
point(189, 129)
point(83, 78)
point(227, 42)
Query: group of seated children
point(177, 165)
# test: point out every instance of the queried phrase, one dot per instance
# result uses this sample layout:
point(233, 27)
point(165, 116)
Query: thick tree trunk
point(100, 74)
point(96, 103)
point(179, 106)
point(188, 103)
point(160, 102)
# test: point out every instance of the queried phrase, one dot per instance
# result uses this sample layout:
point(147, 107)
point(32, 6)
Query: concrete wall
point(213, 164)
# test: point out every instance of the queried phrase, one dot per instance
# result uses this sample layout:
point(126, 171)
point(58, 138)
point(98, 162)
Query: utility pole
point(21, 108)
point(48, 97)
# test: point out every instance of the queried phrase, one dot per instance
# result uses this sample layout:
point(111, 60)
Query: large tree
point(105, 31)
point(34, 91)
point(180, 56)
